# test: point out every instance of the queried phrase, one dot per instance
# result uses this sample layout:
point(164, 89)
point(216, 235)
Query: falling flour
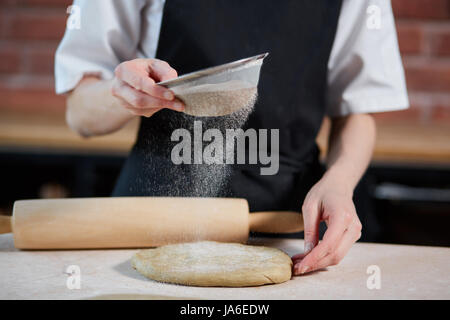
point(195, 180)
point(161, 177)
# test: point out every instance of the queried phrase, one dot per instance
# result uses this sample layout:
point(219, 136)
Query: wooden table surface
point(406, 272)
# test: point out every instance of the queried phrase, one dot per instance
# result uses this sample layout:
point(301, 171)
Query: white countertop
point(406, 272)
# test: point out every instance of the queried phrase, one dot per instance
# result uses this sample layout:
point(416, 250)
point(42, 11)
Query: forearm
point(92, 110)
point(351, 144)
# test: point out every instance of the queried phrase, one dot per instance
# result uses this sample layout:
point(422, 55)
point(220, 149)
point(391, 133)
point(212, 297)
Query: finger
point(137, 76)
point(139, 111)
point(331, 240)
point(143, 112)
point(351, 235)
point(311, 221)
point(295, 265)
point(161, 71)
point(298, 256)
point(297, 259)
point(140, 100)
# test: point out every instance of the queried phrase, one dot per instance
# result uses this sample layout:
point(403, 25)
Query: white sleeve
point(108, 34)
point(365, 72)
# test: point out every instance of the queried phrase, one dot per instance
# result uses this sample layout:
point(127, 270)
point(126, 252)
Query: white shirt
point(365, 72)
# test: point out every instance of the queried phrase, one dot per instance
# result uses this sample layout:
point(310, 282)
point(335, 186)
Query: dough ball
point(214, 264)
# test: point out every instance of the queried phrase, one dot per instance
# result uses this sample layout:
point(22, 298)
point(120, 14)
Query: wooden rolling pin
point(136, 222)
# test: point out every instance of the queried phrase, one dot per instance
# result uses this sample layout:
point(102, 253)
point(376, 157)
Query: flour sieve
point(219, 90)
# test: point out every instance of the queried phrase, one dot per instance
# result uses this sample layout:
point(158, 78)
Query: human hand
point(135, 86)
point(330, 201)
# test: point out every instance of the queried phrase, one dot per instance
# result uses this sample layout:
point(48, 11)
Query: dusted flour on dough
point(210, 263)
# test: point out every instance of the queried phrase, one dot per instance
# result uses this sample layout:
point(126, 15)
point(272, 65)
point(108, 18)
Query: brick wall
point(31, 29)
point(423, 28)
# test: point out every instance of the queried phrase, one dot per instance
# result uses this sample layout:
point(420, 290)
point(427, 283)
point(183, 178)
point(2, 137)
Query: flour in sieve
point(219, 103)
point(216, 99)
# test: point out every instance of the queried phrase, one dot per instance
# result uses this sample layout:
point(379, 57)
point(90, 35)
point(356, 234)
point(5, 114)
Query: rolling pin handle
point(5, 224)
point(276, 222)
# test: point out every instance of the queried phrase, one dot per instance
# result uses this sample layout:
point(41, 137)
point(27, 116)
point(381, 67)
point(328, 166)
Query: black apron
point(196, 34)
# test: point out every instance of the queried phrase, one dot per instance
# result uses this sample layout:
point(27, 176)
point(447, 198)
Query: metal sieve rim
point(212, 70)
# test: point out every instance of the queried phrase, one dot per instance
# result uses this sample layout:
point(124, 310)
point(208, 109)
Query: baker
point(336, 58)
